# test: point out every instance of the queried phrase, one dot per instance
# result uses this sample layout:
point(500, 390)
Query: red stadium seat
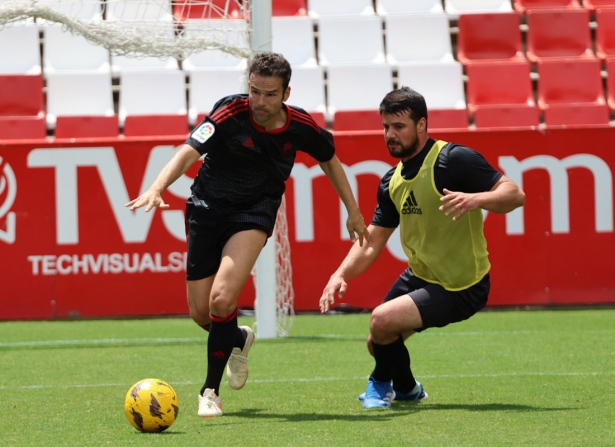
point(570, 92)
point(489, 37)
point(500, 94)
point(558, 33)
point(22, 127)
point(155, 125)
point(447, 119)
point(610, 83)
point(319, 118)
point(593, 5)
point(605, 33)
point(22, 95)
point(189, 9)
point(22, 107)
point(357, 120)
point(86, 126)
point(524, 5)
point(288, 8)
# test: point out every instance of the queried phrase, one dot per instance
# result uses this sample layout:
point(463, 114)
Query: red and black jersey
point(245, 167)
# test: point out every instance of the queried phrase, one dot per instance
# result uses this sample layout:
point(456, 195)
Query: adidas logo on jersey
point(411, 206)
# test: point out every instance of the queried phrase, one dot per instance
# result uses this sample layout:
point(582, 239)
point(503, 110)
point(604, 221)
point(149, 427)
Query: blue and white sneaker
point(417, 394)
point(378, 394)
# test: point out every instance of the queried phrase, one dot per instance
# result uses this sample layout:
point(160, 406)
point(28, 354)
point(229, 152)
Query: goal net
point(140, 28)
point(177, 29)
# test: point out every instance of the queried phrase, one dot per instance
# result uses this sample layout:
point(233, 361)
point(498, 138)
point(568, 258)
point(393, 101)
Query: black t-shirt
point(245, 166)
point(458, 168)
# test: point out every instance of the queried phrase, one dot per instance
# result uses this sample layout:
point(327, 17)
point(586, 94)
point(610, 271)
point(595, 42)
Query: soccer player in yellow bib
point(436, 194)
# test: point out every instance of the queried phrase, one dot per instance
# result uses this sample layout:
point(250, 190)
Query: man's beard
point(403, 151)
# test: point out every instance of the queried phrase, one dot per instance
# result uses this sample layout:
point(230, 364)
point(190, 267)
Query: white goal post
point(179, 28)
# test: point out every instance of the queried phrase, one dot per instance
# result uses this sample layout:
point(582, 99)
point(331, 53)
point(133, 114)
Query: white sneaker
point(237, 366)
point(210, 405)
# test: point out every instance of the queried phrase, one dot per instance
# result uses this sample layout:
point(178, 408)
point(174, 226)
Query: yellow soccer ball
point(151, 405)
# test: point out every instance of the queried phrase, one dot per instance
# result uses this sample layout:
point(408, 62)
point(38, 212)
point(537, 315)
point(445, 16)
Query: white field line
point(170, 340)
point(326, 379)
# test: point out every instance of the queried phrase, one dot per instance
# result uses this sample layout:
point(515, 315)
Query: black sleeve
point(385, 214)
point(207, 136)
point(463, 169)
point(318, 142)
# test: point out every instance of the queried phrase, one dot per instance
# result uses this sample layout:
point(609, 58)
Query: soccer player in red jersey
point(249, 142)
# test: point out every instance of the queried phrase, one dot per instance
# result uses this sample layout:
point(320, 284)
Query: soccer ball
point(151, 405)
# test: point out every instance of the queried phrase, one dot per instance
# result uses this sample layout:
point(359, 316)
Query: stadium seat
point(325, 8)
point(78, 94)
point(20, 49)
point(489, 36)
point(198, 10)
point(570, 92)
point(455, 8)
point(593, 5)
point(524, 5)
point(610, 83)
point(447, 119)
point(131, 10)
point(151, 99)
point(500, 94)
point(350, 40)
point(319, 118)
point(86, 126)
point(346, 120)
point(307, 89)
point(288, 8)
point(441, 83)
point(294, 38)
point(386, 7)
point(22, 108)
point(22, 127)
point(431, 30)
point(235, 32)
point(65, 51)
point(207, 86)
point(558, 33)
point(22, 95)
point(357, 87)
point(605, 33)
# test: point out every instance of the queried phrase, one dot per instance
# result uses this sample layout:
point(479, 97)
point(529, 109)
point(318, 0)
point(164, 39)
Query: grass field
point(510, 378)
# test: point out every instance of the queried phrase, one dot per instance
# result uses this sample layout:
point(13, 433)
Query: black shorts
point(439, 307)
point(208, 232)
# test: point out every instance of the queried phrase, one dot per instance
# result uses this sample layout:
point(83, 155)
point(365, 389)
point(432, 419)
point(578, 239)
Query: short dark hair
point(268, 64)
point(404, 99)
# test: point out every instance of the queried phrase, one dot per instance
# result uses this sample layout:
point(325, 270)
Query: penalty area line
point(326, 379)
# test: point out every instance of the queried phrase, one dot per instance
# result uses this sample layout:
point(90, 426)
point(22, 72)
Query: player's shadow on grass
point(398, 409)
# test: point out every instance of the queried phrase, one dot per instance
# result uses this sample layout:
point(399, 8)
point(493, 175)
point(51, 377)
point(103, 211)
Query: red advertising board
point(69, 247)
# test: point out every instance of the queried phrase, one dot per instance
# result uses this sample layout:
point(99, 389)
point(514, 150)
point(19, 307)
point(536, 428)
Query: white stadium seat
point(307, 89)
point(65, 51)
point(294, 38)
point(156, 92)
point(441, 83)
point(357, 87)
point(20, 49)
point(325, 8)
point(385, 7)
point(78, 94)
point(207, 86)
point(350, 40)
point(418, 37)
point(456, 7)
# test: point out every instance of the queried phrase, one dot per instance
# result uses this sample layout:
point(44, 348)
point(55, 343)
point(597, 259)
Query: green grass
point(514, 378)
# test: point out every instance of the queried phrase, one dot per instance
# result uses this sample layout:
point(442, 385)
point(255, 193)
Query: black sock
point(403, 380)
point(386, 359)
point(240, 338)
point(219, 347)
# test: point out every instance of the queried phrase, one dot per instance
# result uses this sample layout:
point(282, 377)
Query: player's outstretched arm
point(180, 163)
point(358, 260)
point(355, 223)
point(504, 197)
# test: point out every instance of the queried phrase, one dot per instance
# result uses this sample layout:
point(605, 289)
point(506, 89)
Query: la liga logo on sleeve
point(203, 132)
